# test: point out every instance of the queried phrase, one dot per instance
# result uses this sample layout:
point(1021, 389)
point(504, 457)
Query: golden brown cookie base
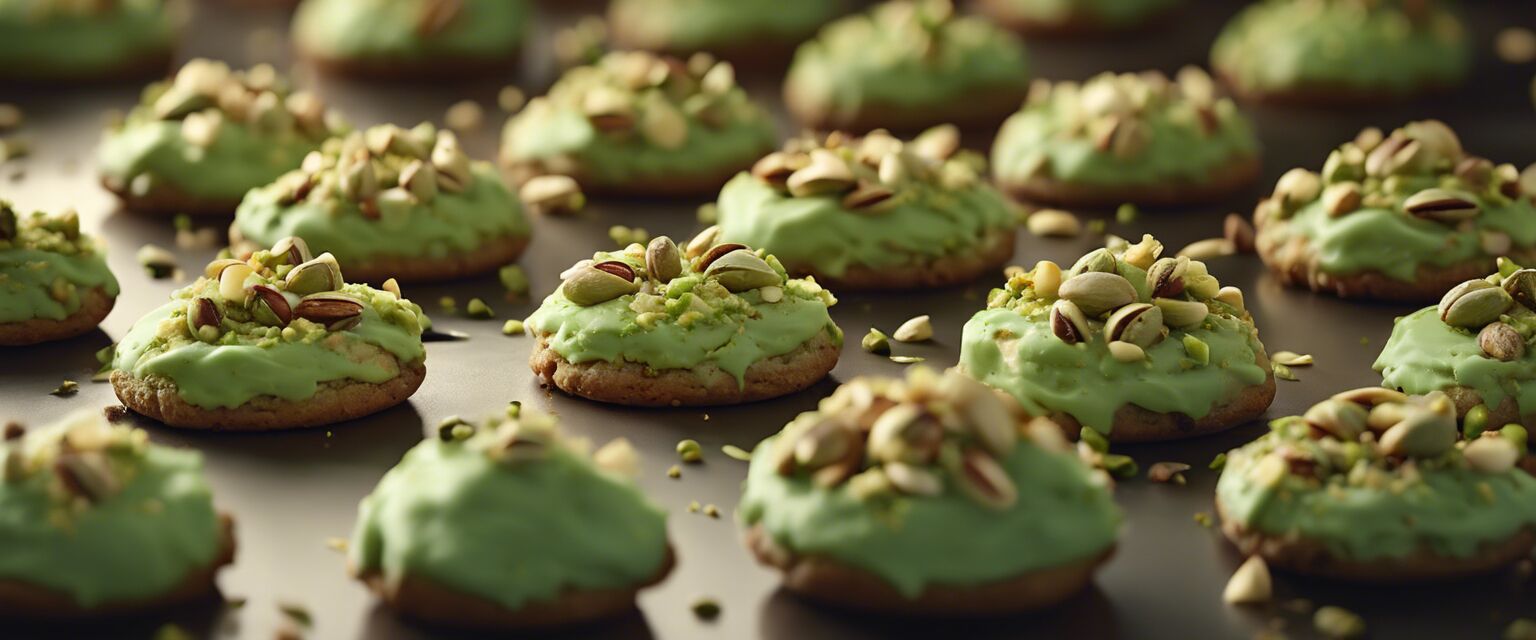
point(168, 200)
point(436, 69)
point(1309, 557)
point(1135, 424)
point(1325, 94)
point(1295, 264)
point(831, 581)
point(1228, 177)
point(21, 600)
point(150, 64)
point(334, 401)
point(488, 257)
point(437, 604)
point(95, 304)
point(1076, 24)
point(634, 384)
point(983, 109)
point(670, 185)
point(949, 270)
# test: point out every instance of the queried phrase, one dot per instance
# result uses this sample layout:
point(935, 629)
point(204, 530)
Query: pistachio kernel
point(1182, 314)
point(1068, 322)
point(1441, 205)
point(741, 270)
point(702, 243)
point(1053, 223)
point(1138, 323)
point(1166, 276)
point(876, 342)
point(663, 261)
point(204, 318)
point(1126, 352)
point(590, 285)
point(1501, 342)
point(917, 329)
point(690, 451)
point(269, 306)
point(1097, 292)
point(318, 275)
point(293, 249)
point(713, 252)
point(1474, 303)
point(1521, 286)
point(334, 311)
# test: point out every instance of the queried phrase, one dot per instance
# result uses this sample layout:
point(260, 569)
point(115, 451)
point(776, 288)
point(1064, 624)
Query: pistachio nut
point(1491, 455)
point(775, 168)
point(1297, 187)
point(1046, 278)
point(1068, 322)
point(1165, 279)
point(420, 179)
point(293, 249)
point(1182, 314)
point(334, 311)
point(1392, 155)
point(1372, 396)
point(1137, 323)
point(1342, 198)
point(906, 432)
point(1126, 352)
point(913, 480)
point(1383, 416)
point(204, 318)
point(868, 196)
point(1232, 297)
point(663, 261)
point(1422, 433)
point(1097, 292)
point(1098, 260)
point(702, 243)
point(1521, 286)
point(87, 475)
point(1473, 304)
point(714, 252)
point(1441, 205)
point(269, 306)
point(826, 173)
point(937, 144)
point(741, 270)
point(1439, 140)
point(663, 125)
point(590, 285)
point(1476, 172)
point(217, 267)
point(822, 443)
point(986, 415)
point(1339, 418)
point(983, 479)
point(552, 194)
point(1501, 342)
point(314, 276)
point(232, 282)
point(358, 179)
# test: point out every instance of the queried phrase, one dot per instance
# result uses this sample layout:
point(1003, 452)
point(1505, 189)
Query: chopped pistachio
point(511, 99)
point(1203, 519)
point(512, 328)
point(917, 329)
point(1292, 359)
point(1127, 213)
point(876, 342)
point(712, 511)
point(736, 453)
point(448, 304)
point(1167, 472)
point(464, 116)
point(479, 310)
point(297, 613)
point(693, 506)
point(1093, 439)
point(157, 262)
point(690, 451)
point(1250, 584)
point(1338, 622)
point(1475, 422)
point(1518, 435)
point(447, 428)
point(66, 388)
point(1199, 352)
point(1218, 463)
point(908, 359)
point(513, 280)
point(674, 472)
point(1282, 372)
point(1121, 466)
point(705, 608)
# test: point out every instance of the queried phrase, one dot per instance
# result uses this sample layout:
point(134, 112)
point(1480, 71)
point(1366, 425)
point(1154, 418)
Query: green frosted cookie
point(747, 32)
point(427, 39)
point(196, 143)
point(507, 523)
point(69, 40)
point(931, 494)
point(388, 202)
point(54, 280)
point(1374, 485)
point(1075, 17)
point(634, 123)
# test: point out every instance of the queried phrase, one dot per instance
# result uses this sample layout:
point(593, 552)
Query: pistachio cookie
point(508, 524)
point(278, 341)
point(927, 495)
point(872, 213)
point(196, 143)
point(1137, 347)
point(54, 280)
point(99, 522)
point(71, 41)
point(749, 33)
point(391, 203)
point(1126, 138)
point(1402, 217)
point(652, 326)
point(637, 124)
point(906, 65)
point(1342, 51)
point(1075, 17)
point(411, 39)
point(1373, 485)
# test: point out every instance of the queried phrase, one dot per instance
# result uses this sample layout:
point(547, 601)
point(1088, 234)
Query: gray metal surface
point(292, 491)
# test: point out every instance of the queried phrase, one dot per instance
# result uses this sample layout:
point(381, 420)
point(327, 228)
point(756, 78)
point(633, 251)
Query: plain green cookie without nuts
point(138, 542)
point(45, 268)
point(406, 30)
point(704, 25)
point(45, 39)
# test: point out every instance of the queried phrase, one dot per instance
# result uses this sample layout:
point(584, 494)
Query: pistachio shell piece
point(1096, 261)
point(293, 249)
point(905, 433)
point(702, 243)
point(1165, 278)
point(1521, 285)
point(1137, 323)
point(1182, 314)
point(984, 480)
point(1340, 418)
point(713, 253)
point(913, 480)
point(591, 285)
point(741, 270)
point(1474, 303)
point(1501, 342)
point(314, 276)
point(826, 173)
point(663, 261)
point(204, 318)
point(1422, 433)
point(1068, 322)
point(1441, 205)
point(334, 311)
point(269, 306)
point(1097, 292)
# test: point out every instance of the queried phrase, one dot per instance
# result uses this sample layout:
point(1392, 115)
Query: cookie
point(1342, 53)
point(574, 540)
point(1132, 345)
point(1077, 18)
point(1374, 485)
point(54, 280)
point(657, 326)
point(924, 495)
point(59, 42)
point(635, 124)
point(872, 213)
point(1400, 217)
point(243, 348)
point(907, 65)
point(390, 202)
point(751, 34)
point(429, 40)
point(1118, 138)
point(101, 553)
point(196, 143)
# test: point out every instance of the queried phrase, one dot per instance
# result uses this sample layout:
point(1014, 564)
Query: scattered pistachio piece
point(339, 545)
point(694, 506)
point(690, 451)
point(708, 213)
point(1338, 622)
point(512, 328)
point(1250, 584)
point(1127, 213)
point(66, 389)
point(1053, 223)
point(553, 194)
point(625, 236)
point(1121, 466)
point(1240, 232)
point(705, 608)
point(1163, 472)
point(511, 99)
point(712, 511)
point(514, 280)
point(479, 310)
point(736, 453)
point(1208, 248)
point(157, 262)
point(1093, 439)
point(1219, 462)
point(917, 329)
point(1292, 359)
point(297, 613)
point(1282, 372)
point(908, 359)
point(876, 342)
point(674, 472)
point(1203, 519)
point(448, 305)
point(1520, 629)
point(464, 116)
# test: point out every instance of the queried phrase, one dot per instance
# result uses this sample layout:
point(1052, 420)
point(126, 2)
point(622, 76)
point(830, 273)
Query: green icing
point(688, 321)
point(239, 159)
point(927, 221)
point(512, 533)
point(1286, 44)
point(40, 37)
point(1364, 511)
point(1109, 12)
point(1425, 354)
point(44, 270)
point(870, 60)
point(723, 130)
point(394, 28)
point(685, 25)
point(139, 543)
point(450, 225)
point(1051, 137)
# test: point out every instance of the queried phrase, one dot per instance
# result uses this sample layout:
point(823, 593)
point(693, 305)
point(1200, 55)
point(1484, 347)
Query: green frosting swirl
point(687, 321)
point(138, 542)
point(675, 125)
point(1383, 46)
point(47, 265)
point(1112, 13)
point(698, 25)
point(1367, 510)
point(1172, 136)
point(403, 29)
point(1425, 354)
point(51, 37)
point(904, 54)
point(513, 531)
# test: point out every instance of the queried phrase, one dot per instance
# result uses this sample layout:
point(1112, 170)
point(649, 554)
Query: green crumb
point(1097, 226)
point(693, 506)
point(876, 342)
point(1364, 341)
point(1219, 462)
point(513, 280)
point(711, 511)
point(1127, 213)
point(182, 222)
point(690, 451)
point(514, 408)
point(512, 328)
point(705, 608)
point(1283, 372)
point(479, 310)
point(1093, 439)
point(708, 213)
point(1121, 466)
point(736, 453)
point(66, 389)
point(1338, 622)
point(448, 304)
point(674, 472)
point(1203, 519)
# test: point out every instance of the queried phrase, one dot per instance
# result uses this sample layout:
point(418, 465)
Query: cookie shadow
point(786, 616)
point(384, 624)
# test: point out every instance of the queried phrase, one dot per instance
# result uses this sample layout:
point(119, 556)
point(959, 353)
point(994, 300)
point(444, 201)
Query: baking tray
point(290, 492)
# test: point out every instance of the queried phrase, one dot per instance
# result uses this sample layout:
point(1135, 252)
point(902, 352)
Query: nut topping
point(1068, 322)
point(1098, 292)
point(1137, 323)
point(269, 306)
point(1501, 342)
point(334, 311)
point(741, 270)
point(1441, 205)
point(1473, 304)
point(663, 262)
point(590, 286)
